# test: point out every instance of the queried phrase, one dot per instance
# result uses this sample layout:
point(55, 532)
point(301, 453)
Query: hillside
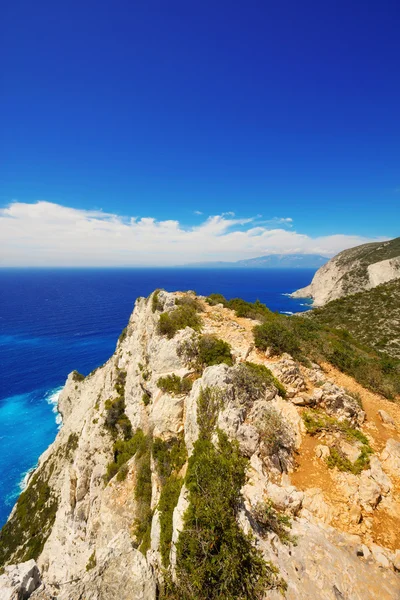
point(354, 270)
point(372, 316)
point(223, 452)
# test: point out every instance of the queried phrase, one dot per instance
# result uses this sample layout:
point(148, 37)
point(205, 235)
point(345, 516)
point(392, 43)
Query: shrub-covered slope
point(373, 316)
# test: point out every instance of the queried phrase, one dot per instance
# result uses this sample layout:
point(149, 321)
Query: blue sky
point(161, 109)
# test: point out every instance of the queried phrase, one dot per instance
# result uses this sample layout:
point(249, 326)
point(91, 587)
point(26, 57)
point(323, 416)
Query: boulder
point(386, 419)
point(379, 475)
point(19, 581)
point(369, 492)
point(390, 457)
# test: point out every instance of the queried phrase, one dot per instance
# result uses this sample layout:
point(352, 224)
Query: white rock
point(386, 419)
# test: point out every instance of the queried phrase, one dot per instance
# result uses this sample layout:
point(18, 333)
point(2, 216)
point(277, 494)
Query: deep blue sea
point(54, 321)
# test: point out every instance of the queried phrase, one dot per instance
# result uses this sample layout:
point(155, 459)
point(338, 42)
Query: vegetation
point(183, 316)
point(116, 420)
point(91, 562)
point(372, 316)
point(251, 381)
point(123, 335)
point(319, 335)
point(278, 337)
point(25, 533)
point(76, 376)
point(269, 519)
point(175, 385)
point(142, 525)
point(124, 450)
point(205, 351)
point(359, 258)
point(169, 457)
point(146, 398)
point(72, 444)
point(190, 301)
point(215, 558)
point(252, 310)
point(156, 304)
point(317, 421)
point(277, 438)
point(166, 505)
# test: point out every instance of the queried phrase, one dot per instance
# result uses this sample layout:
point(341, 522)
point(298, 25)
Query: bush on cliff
point(183, 316)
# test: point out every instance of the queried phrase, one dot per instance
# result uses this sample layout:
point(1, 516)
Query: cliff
point(354, 270)
point(195, 465)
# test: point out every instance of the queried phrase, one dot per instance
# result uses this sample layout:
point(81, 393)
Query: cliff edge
point(354, 270)
point(196, 465)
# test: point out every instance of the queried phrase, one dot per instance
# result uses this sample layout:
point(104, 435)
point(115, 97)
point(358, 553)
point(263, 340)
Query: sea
point(53, 321)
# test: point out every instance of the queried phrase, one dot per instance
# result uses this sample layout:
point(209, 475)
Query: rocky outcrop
point(89, 546)
point(19, 581)
point(354, 270)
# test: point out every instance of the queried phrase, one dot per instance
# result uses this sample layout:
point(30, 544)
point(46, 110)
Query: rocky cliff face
point(354, 270)
point(106, 512)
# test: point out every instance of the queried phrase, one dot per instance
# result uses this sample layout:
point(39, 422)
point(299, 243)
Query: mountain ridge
point(269, 261)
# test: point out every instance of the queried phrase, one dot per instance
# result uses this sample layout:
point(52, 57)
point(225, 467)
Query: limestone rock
point(19, 581)
point(390, 457)
point(386, 419)
point(369, 492)
point(379, 475)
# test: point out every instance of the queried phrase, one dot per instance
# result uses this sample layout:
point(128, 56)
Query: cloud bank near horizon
point(49, 234)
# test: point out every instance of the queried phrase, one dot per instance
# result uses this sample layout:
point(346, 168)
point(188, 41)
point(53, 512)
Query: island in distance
point(270, 261)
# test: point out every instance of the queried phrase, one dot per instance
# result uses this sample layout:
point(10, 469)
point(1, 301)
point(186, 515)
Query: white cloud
point(198, 212)
point(47, 234)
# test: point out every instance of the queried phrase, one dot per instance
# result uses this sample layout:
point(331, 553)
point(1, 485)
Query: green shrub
point(123, 335)
point(146, 398)
point(124, 450)
point(251, 381)
point(213, 351)
point(251, 310)
point(143, 489)
point(209, 403)
point(169, 456)
point(168, 500)
point(269, 519)
point(317, 421)
point(26, 531)
point(76, 376)
point(181, 317)
point(190, 301)
point(277, 438)
point(156, 304)
point(277, 337)
point(175, 385)
point(72, 444)
point(215, 558)
point(91, 562)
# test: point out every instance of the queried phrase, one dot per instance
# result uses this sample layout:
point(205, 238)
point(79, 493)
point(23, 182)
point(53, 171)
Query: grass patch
point(156, 304)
